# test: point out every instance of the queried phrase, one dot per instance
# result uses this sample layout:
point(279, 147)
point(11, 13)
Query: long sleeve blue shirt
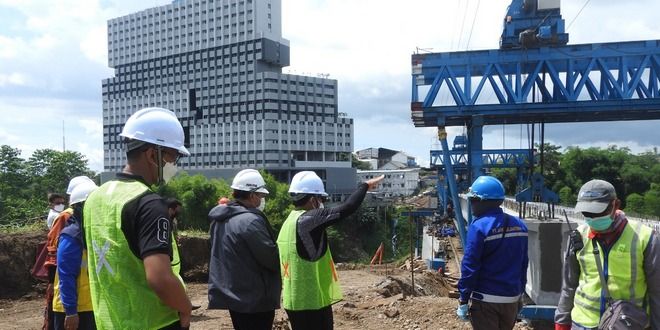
point(492, 264)
point(69, 257)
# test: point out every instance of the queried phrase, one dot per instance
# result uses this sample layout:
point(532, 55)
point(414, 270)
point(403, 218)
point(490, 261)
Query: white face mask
point(262, 204)
point(321, 206)
point(58, 207)
point(169, 170)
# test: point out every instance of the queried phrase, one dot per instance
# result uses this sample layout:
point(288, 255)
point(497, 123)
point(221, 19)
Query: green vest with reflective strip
point(120, 294)
point(626, 278)
point(306, 285)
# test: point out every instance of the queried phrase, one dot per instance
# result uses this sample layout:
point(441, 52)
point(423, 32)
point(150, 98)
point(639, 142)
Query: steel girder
point(572, 83)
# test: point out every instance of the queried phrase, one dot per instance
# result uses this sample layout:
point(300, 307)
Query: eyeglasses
point(167, 155)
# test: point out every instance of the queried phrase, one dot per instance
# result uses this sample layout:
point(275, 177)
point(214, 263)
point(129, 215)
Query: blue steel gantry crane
point(534, 78)
point(536, 82)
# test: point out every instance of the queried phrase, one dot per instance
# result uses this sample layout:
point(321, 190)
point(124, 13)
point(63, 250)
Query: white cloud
point(6, 137)
point(95, 45)
point(92, 127)
point(51, 66)
point(14, 78)
point(94, 155)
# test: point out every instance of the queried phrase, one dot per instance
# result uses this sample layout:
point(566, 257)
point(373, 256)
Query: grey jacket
point(571, 277)
point(244, 270)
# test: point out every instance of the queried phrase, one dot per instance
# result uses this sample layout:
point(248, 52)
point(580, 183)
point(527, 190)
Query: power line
point(578, 14)
point(474, 19)
point(460, 34)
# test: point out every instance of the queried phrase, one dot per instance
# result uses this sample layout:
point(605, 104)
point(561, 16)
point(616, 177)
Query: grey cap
point(595, 196)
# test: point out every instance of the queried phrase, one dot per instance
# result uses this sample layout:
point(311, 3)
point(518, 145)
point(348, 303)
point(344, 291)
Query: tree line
point(636, 177)
point(26, 183)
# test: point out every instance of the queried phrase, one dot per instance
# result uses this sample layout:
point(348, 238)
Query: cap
point(595, 196)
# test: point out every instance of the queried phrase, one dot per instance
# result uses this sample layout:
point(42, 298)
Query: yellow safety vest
point(121, 297)
point(306, 285)
point(82, 287)
point(626, 278)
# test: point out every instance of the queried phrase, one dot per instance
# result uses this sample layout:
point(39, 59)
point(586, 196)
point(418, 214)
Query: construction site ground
point(378, 297)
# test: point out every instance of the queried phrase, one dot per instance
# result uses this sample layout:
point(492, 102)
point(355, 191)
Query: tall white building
point(218, 65)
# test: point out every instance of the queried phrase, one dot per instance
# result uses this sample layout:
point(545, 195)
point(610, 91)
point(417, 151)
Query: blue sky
point(53, 55)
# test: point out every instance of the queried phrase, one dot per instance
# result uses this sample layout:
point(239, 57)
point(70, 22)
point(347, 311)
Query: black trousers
point(486, 316)
point(320, 319)
point(85, 321)
point(252, 321)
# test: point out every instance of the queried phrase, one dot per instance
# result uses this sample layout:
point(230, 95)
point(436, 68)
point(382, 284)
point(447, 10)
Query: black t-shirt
point(146, 223)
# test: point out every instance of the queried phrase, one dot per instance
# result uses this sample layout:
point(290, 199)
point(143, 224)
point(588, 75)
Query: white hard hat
point(249, 180)
point(76, 181)
point(307, 182)
point(157, 126)
point(81, 191)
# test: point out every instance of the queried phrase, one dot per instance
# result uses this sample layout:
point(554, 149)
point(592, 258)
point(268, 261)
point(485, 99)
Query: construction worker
point(309, 279)
point(55, 206)
point(244, 266)
point(494, 266)
point(55, 228)
point(72, 303)
point(128, 232)
point(627, 255)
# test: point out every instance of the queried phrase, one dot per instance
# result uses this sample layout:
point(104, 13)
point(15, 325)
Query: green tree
point(278, 202)
point(198, 196)
point(508, 177)
point(360, 165)
point(552, 171)
point(566, 196)
point(50, 170)
point(12, 172)
point(635, 203)
point(652, 200)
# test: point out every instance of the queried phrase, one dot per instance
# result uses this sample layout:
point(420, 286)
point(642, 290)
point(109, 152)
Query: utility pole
point(412, 254)
point(63, 141)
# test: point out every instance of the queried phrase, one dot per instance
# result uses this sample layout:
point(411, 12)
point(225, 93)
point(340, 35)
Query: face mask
point(58, 207)
point(169, 170)
point(321, 206)
point(600, 223)
point(262, 204)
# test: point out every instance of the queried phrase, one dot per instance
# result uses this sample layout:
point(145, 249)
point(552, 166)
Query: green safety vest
point(120, 295)
point(626, 278)
point(306, 285)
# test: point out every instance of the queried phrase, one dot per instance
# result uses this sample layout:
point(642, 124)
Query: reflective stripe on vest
point(626, 278)
point(118, 285)
point(306, 285)
point(82, 289)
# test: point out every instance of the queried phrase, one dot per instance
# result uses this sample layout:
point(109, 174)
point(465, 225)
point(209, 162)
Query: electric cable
point(460, 34)
point(578, 14)
point(474, 19)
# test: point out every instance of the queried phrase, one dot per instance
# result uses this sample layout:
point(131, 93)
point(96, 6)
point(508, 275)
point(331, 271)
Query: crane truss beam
point(498, 158)
point(572, 83)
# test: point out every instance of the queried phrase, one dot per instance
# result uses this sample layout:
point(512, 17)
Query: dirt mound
point(426, 284)
point(195, 254)
point(18, 253)
point(17, 256)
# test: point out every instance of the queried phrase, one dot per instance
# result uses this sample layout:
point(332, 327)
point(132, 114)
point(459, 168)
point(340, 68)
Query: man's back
point(499, 255)
point(244, 267)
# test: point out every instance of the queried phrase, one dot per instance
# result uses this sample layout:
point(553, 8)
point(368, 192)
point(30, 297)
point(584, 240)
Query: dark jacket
point(244, 270)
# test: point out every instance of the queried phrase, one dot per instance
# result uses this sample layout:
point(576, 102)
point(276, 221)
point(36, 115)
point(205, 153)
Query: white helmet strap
point(159, 152)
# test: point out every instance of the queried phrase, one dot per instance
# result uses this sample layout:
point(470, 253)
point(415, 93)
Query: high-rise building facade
point(218, 65)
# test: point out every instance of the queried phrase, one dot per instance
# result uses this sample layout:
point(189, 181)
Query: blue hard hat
point(486, 187)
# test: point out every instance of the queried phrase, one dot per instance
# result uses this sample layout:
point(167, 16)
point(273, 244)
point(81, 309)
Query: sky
point(53, 56)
